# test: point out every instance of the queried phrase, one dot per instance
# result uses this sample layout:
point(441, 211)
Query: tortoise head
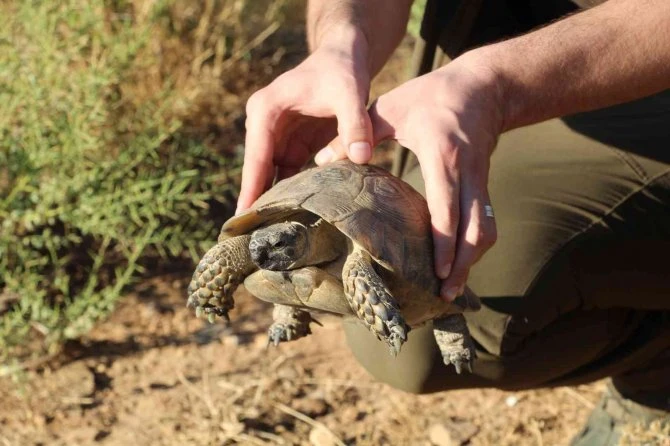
point(279, 246)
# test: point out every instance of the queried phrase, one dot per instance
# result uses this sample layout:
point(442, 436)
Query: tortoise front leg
point(371, 301)
point(217, 276)
point(454, 340)
point(290, 323)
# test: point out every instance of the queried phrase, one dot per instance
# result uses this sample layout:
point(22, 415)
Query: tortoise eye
point(278, 244)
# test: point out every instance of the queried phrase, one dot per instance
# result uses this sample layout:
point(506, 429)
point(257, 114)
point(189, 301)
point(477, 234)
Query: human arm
point(325, 96)
point(327, 18)
point(451, 118)
point(614, 53)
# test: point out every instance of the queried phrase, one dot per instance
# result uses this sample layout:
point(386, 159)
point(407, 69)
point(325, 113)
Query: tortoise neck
point(326, 243)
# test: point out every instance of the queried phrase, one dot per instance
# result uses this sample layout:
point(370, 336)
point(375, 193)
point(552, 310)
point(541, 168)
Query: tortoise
point(344, 238)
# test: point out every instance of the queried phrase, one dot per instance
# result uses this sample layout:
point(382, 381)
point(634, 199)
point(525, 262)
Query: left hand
point(451, 119)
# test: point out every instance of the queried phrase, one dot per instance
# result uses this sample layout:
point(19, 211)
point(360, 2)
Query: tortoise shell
point(376, 210)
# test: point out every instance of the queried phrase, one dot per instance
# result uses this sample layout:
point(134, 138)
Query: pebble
point(511, 401)
point(313, 407)
point(439, 435)
point(318, 436)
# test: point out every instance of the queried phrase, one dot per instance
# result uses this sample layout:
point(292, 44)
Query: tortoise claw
point(458, 366)
point(289, 323)
point(459, 363)
point(397, 337)
point(278, 333)
point(395, 341)
point(453, 339)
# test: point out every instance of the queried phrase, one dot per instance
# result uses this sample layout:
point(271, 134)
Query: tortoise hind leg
point(454, 340)
point(290, 323)
point(371, 301)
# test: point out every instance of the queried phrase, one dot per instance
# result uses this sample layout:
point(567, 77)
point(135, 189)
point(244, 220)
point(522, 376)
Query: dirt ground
point(153, 374)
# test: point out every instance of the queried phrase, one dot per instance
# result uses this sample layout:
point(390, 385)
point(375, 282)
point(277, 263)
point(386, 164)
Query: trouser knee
point(408, 371)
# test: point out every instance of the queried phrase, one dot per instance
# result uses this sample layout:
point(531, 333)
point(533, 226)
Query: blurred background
point(121, 135)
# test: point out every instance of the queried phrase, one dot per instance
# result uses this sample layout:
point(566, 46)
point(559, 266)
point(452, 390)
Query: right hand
point(304, 110)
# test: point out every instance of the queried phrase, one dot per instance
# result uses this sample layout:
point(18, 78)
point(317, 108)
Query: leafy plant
point(98, 172)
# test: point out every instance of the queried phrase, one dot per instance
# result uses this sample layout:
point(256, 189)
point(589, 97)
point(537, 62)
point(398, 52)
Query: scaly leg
point(454, 340)
point(290, 323)
point(217, 276)
point(371, 300)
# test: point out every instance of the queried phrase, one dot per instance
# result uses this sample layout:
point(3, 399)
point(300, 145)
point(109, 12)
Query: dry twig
point(312, 422)
point(578, 397)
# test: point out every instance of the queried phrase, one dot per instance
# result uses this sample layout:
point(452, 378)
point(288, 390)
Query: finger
point(334, 151)
point(328, 155)
point(441, 177)
point(382, 116)
point(476, 237)
point(354, 127)
point(258, 169)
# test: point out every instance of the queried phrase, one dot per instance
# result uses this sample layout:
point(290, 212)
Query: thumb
point(355, 131)
point(353, 142)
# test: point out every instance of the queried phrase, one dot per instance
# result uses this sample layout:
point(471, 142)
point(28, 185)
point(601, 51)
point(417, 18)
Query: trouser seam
point(632, 163)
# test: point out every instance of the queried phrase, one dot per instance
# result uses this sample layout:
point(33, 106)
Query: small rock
point(231, 340)
point(72, 382)
point(177, 284)
point(288, 373)
point(511, 401)
point(439, 435)
point(461, 430)
point(313, 407)
point(232, 428)
point(321, 437)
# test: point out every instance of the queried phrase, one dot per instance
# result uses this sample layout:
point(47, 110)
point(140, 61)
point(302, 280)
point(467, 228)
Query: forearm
point(374, 28)
point(610, 54)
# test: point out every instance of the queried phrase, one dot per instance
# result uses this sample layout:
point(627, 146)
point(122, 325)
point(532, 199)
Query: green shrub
point(416, 14)
point(98, 173)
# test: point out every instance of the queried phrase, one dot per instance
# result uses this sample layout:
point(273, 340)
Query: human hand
point(451, 119)
point(303, 110)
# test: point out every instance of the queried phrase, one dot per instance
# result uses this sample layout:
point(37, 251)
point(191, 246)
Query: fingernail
point(238, 211)
point(359, 152)
point(452, 293)
point(444, 271)
point(324, 156)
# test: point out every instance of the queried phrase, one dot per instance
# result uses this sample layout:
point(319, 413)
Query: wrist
point(348, 46)
point(488, 86)
point(345, 37)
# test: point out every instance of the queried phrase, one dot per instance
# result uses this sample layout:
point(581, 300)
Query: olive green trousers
point(577, 287)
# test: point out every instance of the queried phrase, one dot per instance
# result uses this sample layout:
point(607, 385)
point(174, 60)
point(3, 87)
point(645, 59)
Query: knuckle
point(458, 277)
point(483, 236)
point(451, 156)
point(352, 122)
point(256, 102)
point(491, 237)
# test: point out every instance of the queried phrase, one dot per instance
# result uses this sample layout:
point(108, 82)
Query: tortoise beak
point(258, 255)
